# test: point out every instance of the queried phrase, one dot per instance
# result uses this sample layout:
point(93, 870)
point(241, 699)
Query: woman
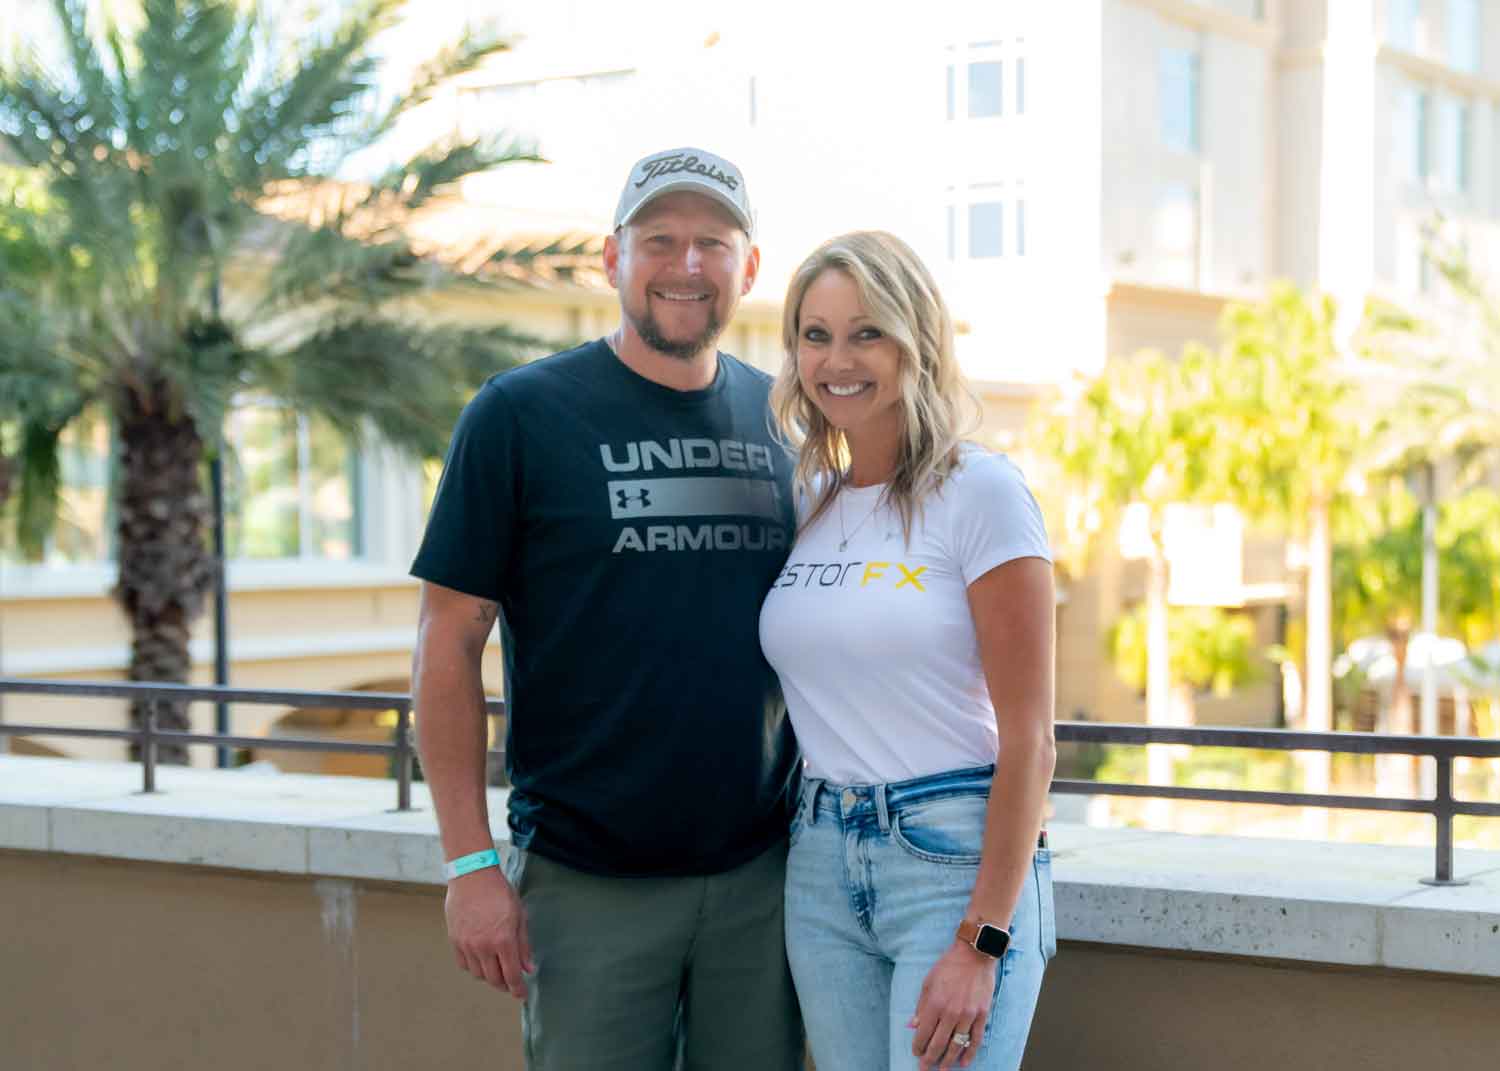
point(912, 631)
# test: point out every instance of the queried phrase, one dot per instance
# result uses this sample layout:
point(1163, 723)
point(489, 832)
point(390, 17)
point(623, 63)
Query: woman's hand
point(956, 998)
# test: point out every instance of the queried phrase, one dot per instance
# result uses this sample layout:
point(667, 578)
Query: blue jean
point(878, 879)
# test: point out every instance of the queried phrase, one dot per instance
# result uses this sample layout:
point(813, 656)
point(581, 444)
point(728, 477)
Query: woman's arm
point(1013, 610)
point(1013, 607)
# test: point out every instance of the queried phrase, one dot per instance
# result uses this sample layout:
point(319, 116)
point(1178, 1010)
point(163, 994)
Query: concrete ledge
point(1338, 904)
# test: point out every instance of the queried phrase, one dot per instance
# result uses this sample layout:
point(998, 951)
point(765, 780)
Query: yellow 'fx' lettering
point(911, 577)
point(873, 571)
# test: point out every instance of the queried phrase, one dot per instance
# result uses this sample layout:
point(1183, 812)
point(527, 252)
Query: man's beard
point(652, 335)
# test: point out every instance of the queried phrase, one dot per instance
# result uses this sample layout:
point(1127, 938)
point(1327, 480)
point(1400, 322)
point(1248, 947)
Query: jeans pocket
point(949, 830)
point(1046, 908)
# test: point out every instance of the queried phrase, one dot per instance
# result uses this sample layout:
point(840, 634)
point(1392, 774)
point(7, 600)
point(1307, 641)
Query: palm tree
point(1444, 376)
point(1293, 425)
point(1141, 434)
point(1378, 576)
point(197, 142)
point(1379, 586)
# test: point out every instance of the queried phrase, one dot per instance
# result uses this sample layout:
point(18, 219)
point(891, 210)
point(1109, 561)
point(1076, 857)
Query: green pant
point(651, 974)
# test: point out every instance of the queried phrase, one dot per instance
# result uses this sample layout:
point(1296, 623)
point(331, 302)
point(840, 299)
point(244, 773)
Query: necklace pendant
point(844, 545)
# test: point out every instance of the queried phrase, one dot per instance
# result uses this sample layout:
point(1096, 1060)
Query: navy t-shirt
point(629, 533)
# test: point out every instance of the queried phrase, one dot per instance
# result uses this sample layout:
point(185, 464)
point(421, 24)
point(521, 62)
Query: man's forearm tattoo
point(487, 612)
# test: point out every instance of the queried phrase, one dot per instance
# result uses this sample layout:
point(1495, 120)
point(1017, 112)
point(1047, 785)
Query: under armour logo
point(643, 497)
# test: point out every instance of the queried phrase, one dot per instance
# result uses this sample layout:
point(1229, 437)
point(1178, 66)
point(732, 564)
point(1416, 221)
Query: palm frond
point(39, 465)
point(97, 94)
point(469, 53)
point(357, 248)
point(410, 185)
point(335, 260)
point(408, 382)
point(306, 120)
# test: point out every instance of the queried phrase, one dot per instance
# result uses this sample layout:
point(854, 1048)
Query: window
point(291, 487)
point(1412, 149)
point(1020, 228)
point(986, 97)
point(1401, 23)
point(1463, 35)
point(986, 230)
point(952, 233)
point(1453, 144)
point(975, 79)
point(291, 491)
point(1179, 78)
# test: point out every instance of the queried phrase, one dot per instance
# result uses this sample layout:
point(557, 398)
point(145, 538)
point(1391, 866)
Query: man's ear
point(752, 269)
point(612, 258)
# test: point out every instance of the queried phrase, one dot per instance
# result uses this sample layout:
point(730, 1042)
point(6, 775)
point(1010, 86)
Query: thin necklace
point(845, 537)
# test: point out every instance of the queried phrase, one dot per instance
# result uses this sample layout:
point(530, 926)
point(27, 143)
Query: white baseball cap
point(693, 170)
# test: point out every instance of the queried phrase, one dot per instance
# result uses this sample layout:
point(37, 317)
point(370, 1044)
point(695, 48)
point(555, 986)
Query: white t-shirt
point(875, 644)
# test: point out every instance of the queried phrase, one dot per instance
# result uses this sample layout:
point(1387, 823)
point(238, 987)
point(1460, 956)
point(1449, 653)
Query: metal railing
point(148, 736)
point(1443, 806)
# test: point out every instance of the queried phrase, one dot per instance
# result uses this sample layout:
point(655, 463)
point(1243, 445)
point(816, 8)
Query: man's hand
point(487, 927)
point(955, 999)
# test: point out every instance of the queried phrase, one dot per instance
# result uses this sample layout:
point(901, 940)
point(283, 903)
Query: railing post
point(148, 749)
point(403, 757)
point(1442, 811)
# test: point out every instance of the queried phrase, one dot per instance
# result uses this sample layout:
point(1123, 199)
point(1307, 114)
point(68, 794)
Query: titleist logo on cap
point(675, 162)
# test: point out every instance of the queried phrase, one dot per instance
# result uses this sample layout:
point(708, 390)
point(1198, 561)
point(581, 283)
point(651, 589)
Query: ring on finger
point(961, 1039)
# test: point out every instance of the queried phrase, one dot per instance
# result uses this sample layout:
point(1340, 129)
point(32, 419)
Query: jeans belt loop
point(881, 809)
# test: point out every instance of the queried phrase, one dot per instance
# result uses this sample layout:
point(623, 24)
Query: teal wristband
point(467, 864)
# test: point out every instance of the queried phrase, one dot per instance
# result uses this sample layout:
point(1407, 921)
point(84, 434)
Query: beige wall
point(1128, 1009)
point(135, 966)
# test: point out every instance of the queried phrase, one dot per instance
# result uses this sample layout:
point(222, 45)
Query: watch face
point(992, 940)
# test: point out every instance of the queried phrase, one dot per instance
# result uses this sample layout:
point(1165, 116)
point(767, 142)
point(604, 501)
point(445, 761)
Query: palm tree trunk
point(1400, 718)
point(1317, 708)
point(166, 570)
point(1158, 661)
point(1396, 774)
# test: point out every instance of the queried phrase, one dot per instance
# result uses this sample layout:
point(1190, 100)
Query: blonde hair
point(900, 296)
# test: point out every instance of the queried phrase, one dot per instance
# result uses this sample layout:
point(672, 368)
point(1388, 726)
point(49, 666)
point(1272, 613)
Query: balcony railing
point(1443, 806)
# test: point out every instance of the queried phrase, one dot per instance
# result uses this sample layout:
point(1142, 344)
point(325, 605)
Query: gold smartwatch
point(984, 937)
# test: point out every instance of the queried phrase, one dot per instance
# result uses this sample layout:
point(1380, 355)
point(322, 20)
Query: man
point(622, 508)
